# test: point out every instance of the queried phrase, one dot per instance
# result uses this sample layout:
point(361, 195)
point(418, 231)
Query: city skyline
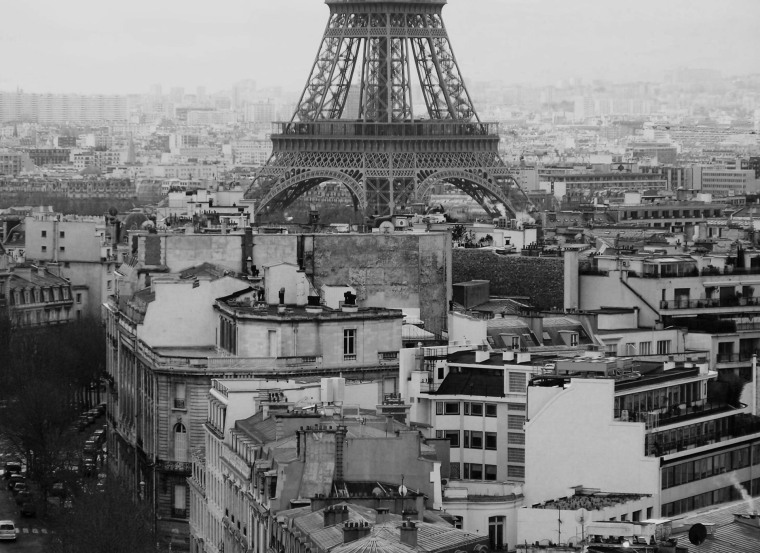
point(89, 48)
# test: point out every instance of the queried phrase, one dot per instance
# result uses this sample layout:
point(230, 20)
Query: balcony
point(742, 357)
point(674, 415)
point(710, 303)
point(361, 129)
point(740, 425)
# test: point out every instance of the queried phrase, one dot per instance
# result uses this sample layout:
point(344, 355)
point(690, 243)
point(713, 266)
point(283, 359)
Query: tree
point(43, 379)
point(103, 518)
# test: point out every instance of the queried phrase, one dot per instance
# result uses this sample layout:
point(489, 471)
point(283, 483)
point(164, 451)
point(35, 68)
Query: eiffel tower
point(388, 156)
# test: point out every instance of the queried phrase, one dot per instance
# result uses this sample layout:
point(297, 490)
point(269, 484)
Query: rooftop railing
point(359, 129)
point(709, 303)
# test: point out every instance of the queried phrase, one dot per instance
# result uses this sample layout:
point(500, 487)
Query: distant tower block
point(386, 155)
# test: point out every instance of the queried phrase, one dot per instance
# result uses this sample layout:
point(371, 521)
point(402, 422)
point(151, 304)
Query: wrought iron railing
point(359, 129)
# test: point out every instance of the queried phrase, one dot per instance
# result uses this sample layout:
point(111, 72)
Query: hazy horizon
point(89, 47)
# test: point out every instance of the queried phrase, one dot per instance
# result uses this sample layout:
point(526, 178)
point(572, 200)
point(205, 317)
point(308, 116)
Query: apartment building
point(247, 477)
point(85, 252)
point(161, 362)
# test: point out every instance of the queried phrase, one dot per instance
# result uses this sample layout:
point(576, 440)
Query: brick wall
point(540, 278)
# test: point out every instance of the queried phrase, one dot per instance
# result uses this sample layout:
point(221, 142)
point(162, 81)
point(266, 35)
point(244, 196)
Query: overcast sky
point(97, 46)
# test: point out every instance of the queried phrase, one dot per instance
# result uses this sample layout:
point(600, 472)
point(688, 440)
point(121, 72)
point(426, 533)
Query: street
point(33, 533)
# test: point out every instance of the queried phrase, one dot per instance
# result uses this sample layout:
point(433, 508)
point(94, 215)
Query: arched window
point(180, 442)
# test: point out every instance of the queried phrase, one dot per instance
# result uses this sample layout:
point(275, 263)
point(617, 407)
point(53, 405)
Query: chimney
point(349, 303)
point(335, 514)
point(409, 533)
point(314, 304)
point(383, 515)
point(353, 531)
point(536, 324)
point(340, 438)
point(482, 356)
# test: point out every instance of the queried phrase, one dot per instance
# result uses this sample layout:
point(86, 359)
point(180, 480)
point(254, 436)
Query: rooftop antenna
point(581, 516)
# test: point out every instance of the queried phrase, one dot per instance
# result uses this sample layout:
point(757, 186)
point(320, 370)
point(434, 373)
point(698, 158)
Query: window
point(517, 382)
point(62, 234)
point(79, 297)
point(179, 396)
point(515, 406)
point(473, 409)
point(43, 234)
point(515, 422)
point(451, 435)
point(109, 285)
point(491, 440)
point(179, 504)
point(62, 248)
point(645, 348)
point(574, 339)
point(490, 409)
point(349, 344)
point(515, 455)
point(473, 471)
point(515, 471)
point(516, 438)
point(44, 248)
point(447, 408)
point(490, 472)
point(663, 347)
point(180, 442)
point(473, 439)
point(496, 532)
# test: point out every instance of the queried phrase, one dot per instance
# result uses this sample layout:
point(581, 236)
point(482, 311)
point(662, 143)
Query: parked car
point(22, 496)
point(19, 487)
point(99, 436)
point(7, 530)
point(12, 467)
point(90, 446)
point(88, 466)
point(13, 479)
point(83, 422)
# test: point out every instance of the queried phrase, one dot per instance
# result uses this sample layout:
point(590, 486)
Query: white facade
point(572, 436)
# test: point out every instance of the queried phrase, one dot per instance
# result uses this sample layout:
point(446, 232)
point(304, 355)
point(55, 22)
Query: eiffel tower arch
point(386, 155)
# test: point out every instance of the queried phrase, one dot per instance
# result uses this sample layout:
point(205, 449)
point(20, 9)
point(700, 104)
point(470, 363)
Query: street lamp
point(142, 490)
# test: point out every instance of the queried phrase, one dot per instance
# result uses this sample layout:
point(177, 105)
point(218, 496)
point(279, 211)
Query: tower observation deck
point(387, 155)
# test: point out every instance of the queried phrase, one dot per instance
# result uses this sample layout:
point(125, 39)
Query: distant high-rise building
point(61, 108)
point(177, 94)
point(243, 92)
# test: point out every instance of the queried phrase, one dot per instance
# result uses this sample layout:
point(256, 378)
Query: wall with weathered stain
point(387, 270)
point(540, 278)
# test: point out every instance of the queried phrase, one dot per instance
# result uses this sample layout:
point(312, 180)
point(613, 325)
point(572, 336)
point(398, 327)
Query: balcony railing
point(709, 303)
point(662, 417)
point(741, 425)
point(360, 129)
point(734, 357)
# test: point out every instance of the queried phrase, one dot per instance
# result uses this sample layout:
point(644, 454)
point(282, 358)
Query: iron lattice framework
point(386, 155)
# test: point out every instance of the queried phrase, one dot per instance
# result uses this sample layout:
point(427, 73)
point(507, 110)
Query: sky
point(108, 47)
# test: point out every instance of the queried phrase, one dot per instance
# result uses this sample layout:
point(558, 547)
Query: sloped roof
point(730, 536)
point(474, 382)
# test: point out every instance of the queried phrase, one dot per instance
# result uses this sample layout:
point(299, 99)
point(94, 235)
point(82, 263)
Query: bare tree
point(104, 520)
point(43, 378)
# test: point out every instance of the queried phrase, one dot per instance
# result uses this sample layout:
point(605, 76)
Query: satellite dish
point(386, 227)
point(697, 534)
point(402, 490)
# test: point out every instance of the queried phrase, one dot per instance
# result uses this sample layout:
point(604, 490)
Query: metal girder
point(478, 186)
point(287, 190)
point(326, 90)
